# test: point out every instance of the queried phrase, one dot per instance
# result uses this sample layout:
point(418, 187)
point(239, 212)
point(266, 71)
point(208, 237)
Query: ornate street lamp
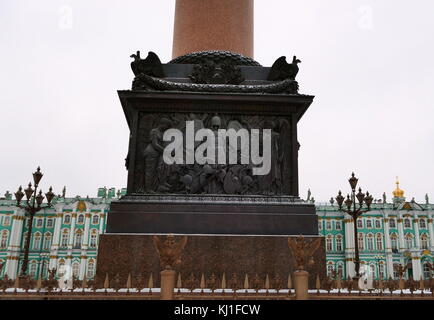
point(355, 204)
point(34, 203)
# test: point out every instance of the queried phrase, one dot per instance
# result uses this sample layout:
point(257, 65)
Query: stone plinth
point(122, 254)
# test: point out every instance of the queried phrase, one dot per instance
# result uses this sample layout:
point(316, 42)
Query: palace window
point(329, 243)
point(4, 239)
point(359, 223)
point(407, 223)
point(75, 269)
point(319, 225)
point(360, 241)
point(341, 270)
point(338, 225)
point(47, 241)
point(422, 223)
point(372, 270)
point(49, 223)
point(67, 219)
point(7, 221)
point(37, 238)
point(369, 223)
point(330, 269)
point(426, 271)
point(379, 241)
point(95, 219)
point(395, 272)
point(65, 238)
point(90, 269)
point(394, 242)
point(93, 238)
point(424, 241)
point(381, 271)
point(370, 242)
point(80, 219)
point(377, 224)
point(77, 240)
point(408, 241)
point(39, 223)
point(33, 268)
point(339, 243)
point(392, 223)
point(328, 225)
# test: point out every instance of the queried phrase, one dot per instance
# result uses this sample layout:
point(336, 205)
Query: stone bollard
point(167, 284)
point(301, 285)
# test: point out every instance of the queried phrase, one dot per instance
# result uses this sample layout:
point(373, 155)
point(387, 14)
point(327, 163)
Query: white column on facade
point(56, 238)
point(85, 244)
point(388, 243)
point(349, 245)
point(102, 217)
point(431, 231)
point(68, 261)
point(400, 232)
point(14, 247)
point(416, 231)
point(417, 266)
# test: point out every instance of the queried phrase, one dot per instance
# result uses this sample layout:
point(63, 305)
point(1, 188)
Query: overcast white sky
point(369, 64)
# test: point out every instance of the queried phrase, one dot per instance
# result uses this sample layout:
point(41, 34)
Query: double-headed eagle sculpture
point(303, 250)
point(170, 251)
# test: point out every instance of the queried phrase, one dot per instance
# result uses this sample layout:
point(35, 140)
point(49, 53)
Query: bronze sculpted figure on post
point(169, 251)
point(303, 250)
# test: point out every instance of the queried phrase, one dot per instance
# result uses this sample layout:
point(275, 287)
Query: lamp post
point(32, 205)
point(355, 211)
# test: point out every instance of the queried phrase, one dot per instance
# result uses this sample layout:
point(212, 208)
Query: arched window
point(407, 223)
point(61, 269)
point(338, 243)
point(361, 241)
point(65, 238)
point(426, 270)
point(90, 269)
point(379, 241)
point(77, 240)
point(370, 242)
point(408, 241)
point(80, 219)
point(93, 238)
point(95, 219)
point(372, 271)
point(341, 270)
point(424, 241)
point(37, 238)
point(359, 223)
point(369, 223)
point(422, 223)
point(377, 224)
point(75, 269)
point(394, 241)
point(4, 239)
point(330, 269)
point(392, 223)
point(329, 243)
point(381, 273)
point(67, 219)
point(47, 241)
point(33, 268)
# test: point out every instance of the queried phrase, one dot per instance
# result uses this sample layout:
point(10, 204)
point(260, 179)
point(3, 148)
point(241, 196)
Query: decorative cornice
point(399, 220)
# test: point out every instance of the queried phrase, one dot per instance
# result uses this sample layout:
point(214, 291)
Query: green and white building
point(65, 236)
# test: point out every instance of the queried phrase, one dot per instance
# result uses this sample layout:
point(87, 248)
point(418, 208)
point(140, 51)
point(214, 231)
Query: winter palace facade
point(65, 236)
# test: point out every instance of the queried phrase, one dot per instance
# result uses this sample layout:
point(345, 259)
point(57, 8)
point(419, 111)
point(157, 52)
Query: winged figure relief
point(169, 251)
point(303, 250)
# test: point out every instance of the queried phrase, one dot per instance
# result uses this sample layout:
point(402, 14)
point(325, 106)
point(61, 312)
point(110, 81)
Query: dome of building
point(398, 193)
